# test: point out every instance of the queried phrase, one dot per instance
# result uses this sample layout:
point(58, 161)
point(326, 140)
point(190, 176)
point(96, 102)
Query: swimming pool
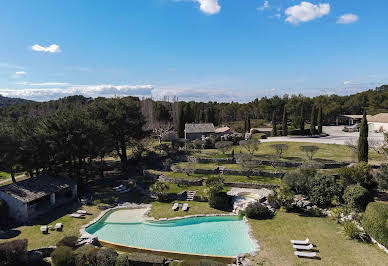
point(216, 235)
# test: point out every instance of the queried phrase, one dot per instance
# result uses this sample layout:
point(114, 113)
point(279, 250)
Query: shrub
point(357, 174)
point(159, 188)
point(106, 257)
point(80, 256)
point(282, 197)
point(314, 212)
point(352, 231)
point(220, 201)
point(139, 259)
point(323, 190)
point(375, 222)
point(257, 211)
point(215, 184)
point(299, 181)
point(13, 253)
point(382, 177)
point(63, 256)
point(357, 197)
point(68, 241)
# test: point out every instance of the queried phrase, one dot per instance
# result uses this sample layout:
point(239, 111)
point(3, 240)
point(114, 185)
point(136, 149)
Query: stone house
point(222, 131)
point(35, 196)
point(198, 131)
point(378, 122)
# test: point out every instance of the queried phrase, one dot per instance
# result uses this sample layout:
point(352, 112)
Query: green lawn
point(334, 249)
point(326, 152)
point(163, 210)
point(71, 226)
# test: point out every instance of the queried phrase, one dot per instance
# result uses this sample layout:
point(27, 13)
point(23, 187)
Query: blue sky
point(220, 50)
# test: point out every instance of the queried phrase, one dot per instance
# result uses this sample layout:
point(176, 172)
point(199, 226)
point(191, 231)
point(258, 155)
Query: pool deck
point(141, 214)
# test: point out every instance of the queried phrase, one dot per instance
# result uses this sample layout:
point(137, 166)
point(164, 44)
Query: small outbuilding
point(378, 122)
point(35, 196)
point(198, 131)
point(221, 131)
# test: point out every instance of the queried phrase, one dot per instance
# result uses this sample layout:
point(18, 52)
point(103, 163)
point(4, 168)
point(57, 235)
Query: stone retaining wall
point(179, 181)
point(250, 185)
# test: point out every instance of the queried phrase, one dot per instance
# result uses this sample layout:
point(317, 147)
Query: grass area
point(71, 226)
point(163, 210)
point(274, 239)
point(173, 188)
point(210, 166)
point(326, 152)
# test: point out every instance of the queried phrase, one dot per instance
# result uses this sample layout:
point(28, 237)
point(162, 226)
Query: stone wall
point(178, 181)
point(250, 185)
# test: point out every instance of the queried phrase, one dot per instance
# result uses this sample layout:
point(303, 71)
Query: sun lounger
point(301, 242)
point(175, 207)
point(303, 247)
point(58, 226)
point(75, 215)
point(44, 229)
point(119, 187)
point(185, 207)
point(305, 254)
point(82, 212)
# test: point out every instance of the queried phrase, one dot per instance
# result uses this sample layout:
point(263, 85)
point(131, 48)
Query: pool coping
point(145, 216)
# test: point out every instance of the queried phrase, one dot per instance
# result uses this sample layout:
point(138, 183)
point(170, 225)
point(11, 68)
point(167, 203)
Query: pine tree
point(284, 123)
point(274, 132)
point(313, 121)
point(181, 122)
point(320, 119)
point(302, 119)
point(363, 145)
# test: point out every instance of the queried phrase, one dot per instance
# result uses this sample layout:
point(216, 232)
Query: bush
point(352, 231)
point(382, 177)
point(257, 211)
point(375, 222)
point(63, 256)
point(323, 190)
point(106, 257)
point(357, 197)
point(80, 256)
point(357, 174)
point(314, 212)
point(220, 201)
point(13, 253)
point(299, 181)
point(68, 241)
point(139, 259)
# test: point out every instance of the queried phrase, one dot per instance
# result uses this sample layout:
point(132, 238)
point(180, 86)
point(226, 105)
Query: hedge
point(63, 256)
point(139, 259)
point(375, 222)
point(13, 253)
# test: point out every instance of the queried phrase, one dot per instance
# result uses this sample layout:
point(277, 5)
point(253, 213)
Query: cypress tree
point(302, 119)
point(248, 124)
point(363, 140)
point(274, 132)
point(181, 122)
point(313, 121)
point(284, 123)
point(320, 119)
point(245, 125)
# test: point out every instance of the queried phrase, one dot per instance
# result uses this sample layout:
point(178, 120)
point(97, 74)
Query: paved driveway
point(336, 136)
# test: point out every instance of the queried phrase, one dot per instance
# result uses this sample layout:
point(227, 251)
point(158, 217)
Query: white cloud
point(348, 82)
point(209, 7)
point(306, 11)
point(7, 65)
point(44, 84)
point(54, 48)
point(22, 73)
point(347, 19)
point(265, 6)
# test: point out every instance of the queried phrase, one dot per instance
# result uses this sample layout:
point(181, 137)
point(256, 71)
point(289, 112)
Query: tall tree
point(302, 119)
point(284, 122)
point(274, 132)
point(363, 145)
point(249, 124)
point(9, 149)
point(313, 122)
point(320, 119)
point(181, 121)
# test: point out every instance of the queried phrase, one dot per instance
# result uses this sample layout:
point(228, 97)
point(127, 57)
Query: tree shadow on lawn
point(9, 234)
point(56, 213)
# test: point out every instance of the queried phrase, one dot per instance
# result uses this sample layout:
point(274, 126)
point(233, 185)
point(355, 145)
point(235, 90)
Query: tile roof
point(36, 187)
point(199, 128)
point(379, 118)
point(222, 129)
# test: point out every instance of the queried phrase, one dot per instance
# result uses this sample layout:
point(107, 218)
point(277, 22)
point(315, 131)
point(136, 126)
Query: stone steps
point(190, 195)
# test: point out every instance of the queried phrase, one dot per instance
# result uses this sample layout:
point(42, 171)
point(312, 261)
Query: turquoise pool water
point(220, 235)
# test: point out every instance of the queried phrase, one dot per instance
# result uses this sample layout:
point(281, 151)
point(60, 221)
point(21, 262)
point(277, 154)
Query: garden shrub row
point(375, 222)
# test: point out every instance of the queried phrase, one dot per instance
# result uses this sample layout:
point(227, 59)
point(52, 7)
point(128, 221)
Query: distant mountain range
point(6, 101)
